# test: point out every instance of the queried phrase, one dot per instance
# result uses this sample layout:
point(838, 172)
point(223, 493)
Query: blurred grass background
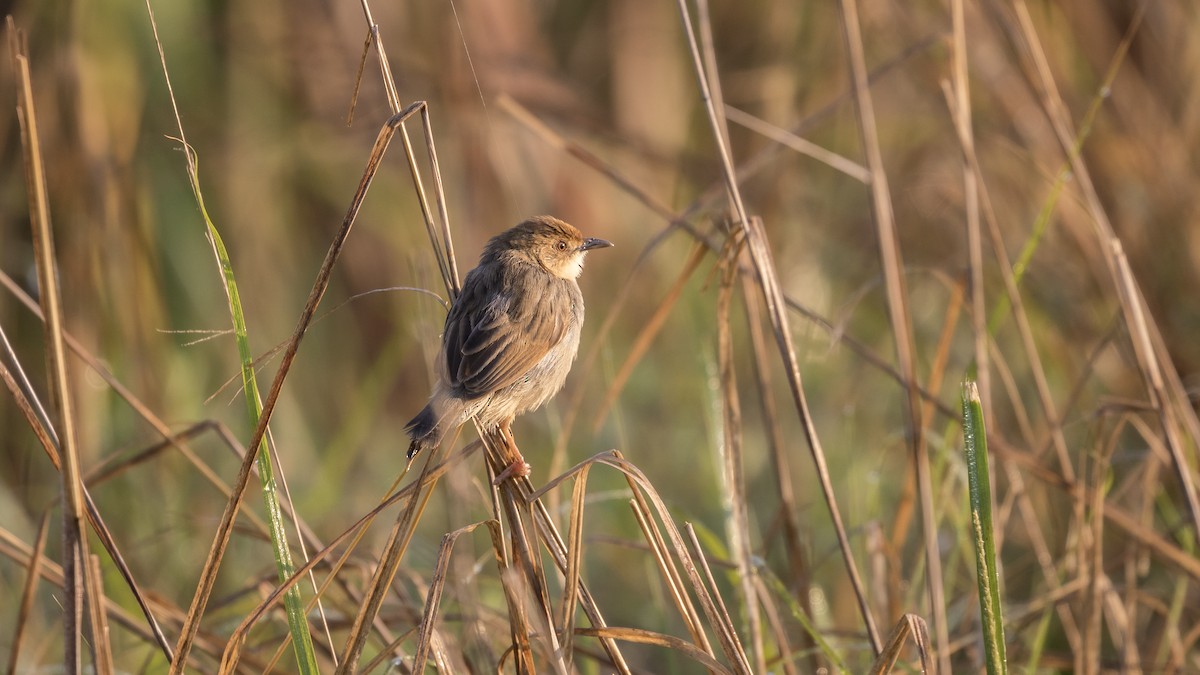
point(264, 89)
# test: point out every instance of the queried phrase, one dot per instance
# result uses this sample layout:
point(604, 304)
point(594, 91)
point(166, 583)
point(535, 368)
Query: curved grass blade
point(302, 643)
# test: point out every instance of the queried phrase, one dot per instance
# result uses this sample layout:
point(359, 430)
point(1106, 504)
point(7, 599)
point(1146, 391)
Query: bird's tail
point(424, 431)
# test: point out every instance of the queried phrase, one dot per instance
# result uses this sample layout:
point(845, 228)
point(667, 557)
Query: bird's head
point(556, 246)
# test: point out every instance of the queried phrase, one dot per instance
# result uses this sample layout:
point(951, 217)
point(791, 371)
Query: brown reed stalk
point(75, 554)
point(764, 266)
point(901, 321)
point(33, 571)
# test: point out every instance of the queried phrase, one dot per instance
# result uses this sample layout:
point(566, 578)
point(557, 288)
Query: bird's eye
point(562, 245)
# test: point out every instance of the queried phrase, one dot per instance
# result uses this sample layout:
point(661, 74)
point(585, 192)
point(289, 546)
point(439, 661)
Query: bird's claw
point(518, 469)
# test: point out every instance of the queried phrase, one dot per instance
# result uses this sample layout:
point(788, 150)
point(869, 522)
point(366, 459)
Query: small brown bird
point(511, 336)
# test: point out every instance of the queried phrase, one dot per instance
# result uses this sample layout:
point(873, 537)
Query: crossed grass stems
point(530, 609)
point(536, 627)
point(516, 496)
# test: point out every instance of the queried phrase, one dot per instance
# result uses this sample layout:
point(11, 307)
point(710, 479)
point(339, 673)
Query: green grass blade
point(782, 593)
point(302, 643)
point(1042, 222)
point(990, 613)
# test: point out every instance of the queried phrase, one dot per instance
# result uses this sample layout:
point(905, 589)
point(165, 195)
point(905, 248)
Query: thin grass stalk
point(518, 620)
point(389, 561)
point(708, 54)
point(21, 384)
point(443, 249)
point(221, 539)
point(566, 622)
point(358, 75)
point(789, 509)
point(116, 465)
point(525, 567)
point(549, 536)
point(1091, 566)
point(297, 621)
point(675, 644)
point(1152, 372)
point(1012, 273)
point(47, 440)
point(804, 618)
point(1169, 649)
point(1018, 617)
point(592, 161)
point(909, 626)
point(437, 586)
point(75, 544)
point(1055, 110)
point(738, 520)
point(449, 275)
point(1025, 331)
point(775, 307)
point(454, 284)
point(724, 622)
point(102, 657)
point(991, 613)
point(1062, 178)
point(645, 338)
point(474, 648)
point(902, 520)
point(33, 570)
point(803, 146)
point(1132, 303)
point(961, 112)
point(1041, 550)
point(20, 553)
point(526, 553)
point(901, 320)
point(542, 613)
point(302, 642)
point(259, 415)
point(123, 392)
point(1122, 627)
point(765, 268)
point(386, 653)
point(385, 68)
point(728, 644)
point(641, 489)
point(286, 512)
point(354, 533)
point(779, 631)
point(666, 566)
point(1037, 645)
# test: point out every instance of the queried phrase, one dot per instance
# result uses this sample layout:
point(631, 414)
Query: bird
point(510, 336)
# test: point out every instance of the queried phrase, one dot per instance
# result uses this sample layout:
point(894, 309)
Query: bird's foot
point(518, 469)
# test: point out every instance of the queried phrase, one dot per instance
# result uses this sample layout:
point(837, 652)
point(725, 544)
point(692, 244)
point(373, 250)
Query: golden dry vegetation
point(927, 192)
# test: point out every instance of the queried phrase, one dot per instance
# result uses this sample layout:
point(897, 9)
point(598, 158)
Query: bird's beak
point(592, 242)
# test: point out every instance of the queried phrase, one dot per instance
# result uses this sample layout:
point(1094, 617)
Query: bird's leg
point(519, 467)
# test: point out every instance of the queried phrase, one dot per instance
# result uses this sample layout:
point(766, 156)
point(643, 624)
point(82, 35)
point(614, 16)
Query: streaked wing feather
point(490, 341)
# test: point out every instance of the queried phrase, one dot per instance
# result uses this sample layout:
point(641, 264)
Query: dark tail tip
point(423, 430)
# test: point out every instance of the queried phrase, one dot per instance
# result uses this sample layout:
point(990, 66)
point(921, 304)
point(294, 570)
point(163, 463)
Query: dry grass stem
point(852, 206)
point(78, 583)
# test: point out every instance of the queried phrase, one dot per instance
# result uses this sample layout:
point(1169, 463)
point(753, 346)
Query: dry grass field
point(828, 218)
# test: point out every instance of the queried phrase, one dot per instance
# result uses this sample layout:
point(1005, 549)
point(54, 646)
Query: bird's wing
point(500, 328)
